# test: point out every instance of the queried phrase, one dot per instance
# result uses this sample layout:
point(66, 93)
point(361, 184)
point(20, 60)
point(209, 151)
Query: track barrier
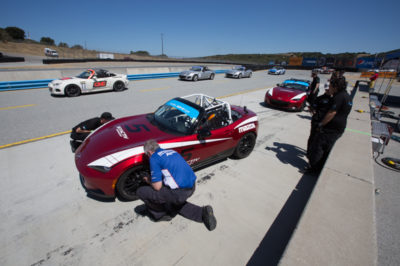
point(35, 84)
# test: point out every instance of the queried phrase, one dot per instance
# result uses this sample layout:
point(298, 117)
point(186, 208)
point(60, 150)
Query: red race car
point(202, 129)
point(290, 95)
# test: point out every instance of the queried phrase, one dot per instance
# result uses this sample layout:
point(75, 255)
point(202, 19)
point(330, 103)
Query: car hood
point(272, 70)
point(188, 72)
point(285, 93)
point(117, 139)
point(233, 71)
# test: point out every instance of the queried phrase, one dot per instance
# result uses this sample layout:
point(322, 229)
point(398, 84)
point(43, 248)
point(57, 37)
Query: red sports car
point(290, 95)
point(202, 129)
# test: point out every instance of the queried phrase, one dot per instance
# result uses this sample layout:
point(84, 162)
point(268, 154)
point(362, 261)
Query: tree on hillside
point(16, 33)
point(4, 36)
point(143, 53)
point(63, 44)
point(47, 40)
point(77, 46)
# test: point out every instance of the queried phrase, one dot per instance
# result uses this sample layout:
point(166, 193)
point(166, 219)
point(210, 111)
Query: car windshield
point(85, 74)
point(294, 86)
point(196, 69)
point(177, 116)
point(239, 68)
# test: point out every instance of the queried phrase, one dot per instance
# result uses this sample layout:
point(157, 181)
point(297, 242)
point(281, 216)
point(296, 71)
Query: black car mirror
point(203, 133)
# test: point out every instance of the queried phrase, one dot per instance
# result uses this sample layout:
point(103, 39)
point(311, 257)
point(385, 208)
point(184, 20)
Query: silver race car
point(196, 73)
point(90, 80)
point(239, 72)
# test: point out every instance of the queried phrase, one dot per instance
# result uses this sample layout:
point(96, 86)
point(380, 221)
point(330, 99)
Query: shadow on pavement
point(274, 243)
point(289, 154)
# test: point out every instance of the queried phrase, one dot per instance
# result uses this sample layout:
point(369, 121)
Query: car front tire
point(72, 91)
point(118, 86)
point(240, 76)
point(129, 182)
point(245, 146)
point(195, 78)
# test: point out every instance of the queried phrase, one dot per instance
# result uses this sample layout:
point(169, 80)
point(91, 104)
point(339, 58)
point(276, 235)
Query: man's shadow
point(289, 154)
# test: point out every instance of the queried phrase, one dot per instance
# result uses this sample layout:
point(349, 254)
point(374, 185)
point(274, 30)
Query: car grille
point(182, 77)
point(229, 75)
point(279, 103)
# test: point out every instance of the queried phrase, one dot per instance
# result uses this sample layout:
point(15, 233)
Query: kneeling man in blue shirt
point(172, 182)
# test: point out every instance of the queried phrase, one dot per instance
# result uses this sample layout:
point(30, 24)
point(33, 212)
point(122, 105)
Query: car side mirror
point(277, 84)
point(203, 133)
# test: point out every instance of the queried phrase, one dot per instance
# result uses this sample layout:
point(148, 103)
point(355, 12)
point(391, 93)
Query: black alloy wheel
point(130, 181)
point(245, 146)
point(118, 86)
point(72, 91)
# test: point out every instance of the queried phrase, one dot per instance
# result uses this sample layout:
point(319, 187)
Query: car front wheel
point(129, 182)
point(195, 78)
point(245, 146)
point(118, 86)
point(72, 91)
point(240, 76)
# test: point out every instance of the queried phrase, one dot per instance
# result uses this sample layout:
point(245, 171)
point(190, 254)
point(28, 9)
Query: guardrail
point(35, 84)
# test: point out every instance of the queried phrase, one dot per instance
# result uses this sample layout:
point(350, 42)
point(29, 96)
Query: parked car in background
point(90, 80)
point(323, 70)
point(239, 72)
point(289, 95)
point(277, 71)
point(196, 73)
point(203, 129)
point(50, 52)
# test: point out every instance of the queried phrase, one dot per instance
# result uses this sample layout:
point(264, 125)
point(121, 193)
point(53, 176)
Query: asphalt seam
point(349, 175)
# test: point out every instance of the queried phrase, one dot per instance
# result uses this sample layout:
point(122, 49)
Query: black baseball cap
point(107, 116)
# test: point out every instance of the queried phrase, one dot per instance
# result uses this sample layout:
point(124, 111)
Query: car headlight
point(270, 91)
point(101, 168)
point(57, 83)
point(298, 97)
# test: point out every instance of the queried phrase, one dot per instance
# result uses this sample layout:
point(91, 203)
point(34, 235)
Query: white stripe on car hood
point(112, 159)
point(251, 119)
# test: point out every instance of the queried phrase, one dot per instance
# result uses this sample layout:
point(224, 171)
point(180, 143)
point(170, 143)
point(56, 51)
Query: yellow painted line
point(15, 107)
point(35, 139)
point(155, 89)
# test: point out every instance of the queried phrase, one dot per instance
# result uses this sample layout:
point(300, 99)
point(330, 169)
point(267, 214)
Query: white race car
point(90, 80)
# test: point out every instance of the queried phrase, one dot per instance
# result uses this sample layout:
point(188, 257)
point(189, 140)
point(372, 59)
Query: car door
point(101, 81)
point(218, 140)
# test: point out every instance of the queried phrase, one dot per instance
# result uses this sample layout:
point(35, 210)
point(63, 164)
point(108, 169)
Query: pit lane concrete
point(48, 220)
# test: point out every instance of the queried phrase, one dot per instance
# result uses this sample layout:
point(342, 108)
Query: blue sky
point(203, 27)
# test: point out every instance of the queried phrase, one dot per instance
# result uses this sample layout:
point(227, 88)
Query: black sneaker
point(165, 218)
point(143, 211)
point(208, 218)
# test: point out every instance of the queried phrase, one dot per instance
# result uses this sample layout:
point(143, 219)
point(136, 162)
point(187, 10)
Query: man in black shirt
point(83, 129)
point(314, 88)
point(332, 125)
point(319, 109)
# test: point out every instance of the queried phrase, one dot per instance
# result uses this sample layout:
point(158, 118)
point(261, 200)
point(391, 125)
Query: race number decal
point(99, 84)
point(136, 128)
